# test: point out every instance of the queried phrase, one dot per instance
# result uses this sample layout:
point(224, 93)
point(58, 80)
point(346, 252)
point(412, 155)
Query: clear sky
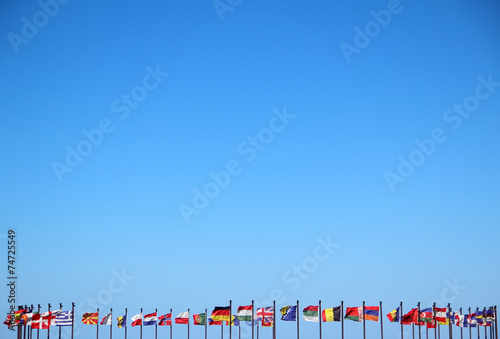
point(179, 154)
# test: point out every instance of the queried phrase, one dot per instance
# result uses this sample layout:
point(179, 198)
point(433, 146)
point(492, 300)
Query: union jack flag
point(266, 314)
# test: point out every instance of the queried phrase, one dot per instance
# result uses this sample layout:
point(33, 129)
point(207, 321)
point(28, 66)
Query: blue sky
point(203, 153)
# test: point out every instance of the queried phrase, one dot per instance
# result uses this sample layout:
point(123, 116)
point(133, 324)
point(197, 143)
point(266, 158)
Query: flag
point(27, 317)
point(149, 319)
point(220, 313)
point(442, 316)
point(213, 322)
point(255, 323)
point(354, 313)
point(182, 318)
point(244, 313)
point(426, 315)
point(19, 317)
point(393, 315)
point(471, 320)
point(371, 313)
point(122, 321)
point(310, 313)
point(489, 317)
point(460, 320)
point(266, 314)
point(9, 321)
point(107, 319)
point(165, 320)
point(234, 321)
point(48, 319)
point(90, 318)
point(331, 314)
point(35, 321)
point(410, 317)
point(136, 320)
point(64, 318)
point(289, 313)
point(199, 319)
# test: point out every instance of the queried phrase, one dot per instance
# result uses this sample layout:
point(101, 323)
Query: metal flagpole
point(401, 318)
point(462, 325)
point(418, 321)
point(450, 329)
point(364, 329)
point(239, 331)
point(156, 323)
point(230, 309)
point(319, 318)
point(126, 320)
point(19, 328)
point(60, 308)
point(485, 327)
point(40, 324)
point(221, 330)
point(206, 322)
point(31, 326)
point(252, 317)
point(297, 318)
point(470, 328)
point(342, 317)
point(274, 319)
point(170, 324)
point(257, 329)
point(141, 324)
point(188, 323)
point(496, 323)
point(72, 318)
point(435, 320)
point(381, 322)
point(413, 330)
point(477, 325)
point(97, 323)
point(111, 325)
point(24, 327)
point(48, 330)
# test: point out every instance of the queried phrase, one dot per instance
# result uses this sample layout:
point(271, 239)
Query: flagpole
point(496, 324)
point(31, 326)
point(72, 318)
point(156, 323)
point(319, 318)
point(111, 325)
point(170, 324)
point(230, 305)
point(435, 320)
point(364, 329)
point(141, 324)
point(60, 308)
point(126, 319)
point(274, 319)
point(485, 327)
point(470, 328)
point(401, 318)
point(381, 322)
point(40, 324)
point(24, 329)
point(342, 317)
point(477, 325)
point(222, 330)
point(188, 323)
point(461, 327)
point(48, 330)
point(418, 322)
point(206, 322)
point(413, 330)
point(297, 318)
point(450, 329)
point(252, 318)
point(97, 323)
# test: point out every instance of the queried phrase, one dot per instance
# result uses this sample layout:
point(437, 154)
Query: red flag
point(410, 317)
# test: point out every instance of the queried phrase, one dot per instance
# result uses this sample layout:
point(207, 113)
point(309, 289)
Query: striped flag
point(244, 313)
point(107, 319)
point(64, 318)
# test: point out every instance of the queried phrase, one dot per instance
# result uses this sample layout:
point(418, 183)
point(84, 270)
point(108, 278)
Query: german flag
point(90, 318)
point(220, 313)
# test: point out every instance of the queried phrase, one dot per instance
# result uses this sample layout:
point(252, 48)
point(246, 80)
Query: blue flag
point(289, 313)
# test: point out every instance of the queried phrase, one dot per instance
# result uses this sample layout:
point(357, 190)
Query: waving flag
point(410, 317)
point(165, 320)
point(266, 314)
point(35, 321)
point(354, 313)
point(182, 318)
point(289, 313)
point(199, 319)
point(244, 313)
point(234, 321)
point(426, 315)
point(371, 313)
point(310, 313)
point(149, 319)
point(393, 315)
point(331, 314)
point(136, 320)
point(48, 319)
point(90, 318)
point(10, 320)
point(442, 316)
point(64, 318)
point(460, 320)
point(221, 313)
point(18, 315)
point(107, 319)
point(213, 322)
point(122, 321)
point(471, 320)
